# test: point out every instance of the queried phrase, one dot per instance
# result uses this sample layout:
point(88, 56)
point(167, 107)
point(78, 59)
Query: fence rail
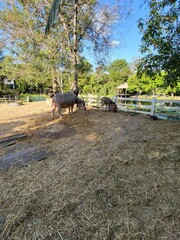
point(153, 107)
point(91, 100)
point(7, 99)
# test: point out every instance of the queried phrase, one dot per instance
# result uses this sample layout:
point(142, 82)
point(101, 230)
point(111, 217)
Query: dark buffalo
point(107, 102)
point(81, 104)
point(66, 100)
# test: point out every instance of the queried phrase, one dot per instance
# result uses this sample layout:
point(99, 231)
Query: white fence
point(153, 107)
point(91, 100)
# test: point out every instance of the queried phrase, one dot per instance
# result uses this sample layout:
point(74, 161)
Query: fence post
point(153, 106)
point(115, 99)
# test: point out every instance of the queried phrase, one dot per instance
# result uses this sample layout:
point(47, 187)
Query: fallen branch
point(12, 138)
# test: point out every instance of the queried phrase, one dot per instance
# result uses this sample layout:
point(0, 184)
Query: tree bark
point(75, 49)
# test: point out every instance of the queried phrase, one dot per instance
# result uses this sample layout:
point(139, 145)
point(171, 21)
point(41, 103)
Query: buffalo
point(107, 102)
point(66, 100)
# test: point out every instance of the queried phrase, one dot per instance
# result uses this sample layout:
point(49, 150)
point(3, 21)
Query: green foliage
point(38, 59)
point(105, 80)
point(35, 58)
point(85, 72)
point(78, 25)
point(26, 75)
point(119, 73)
point(160, 41)
point(151, 85)
point(98, 82)
point(53, 14)
point(173, 90)
point(139, 85)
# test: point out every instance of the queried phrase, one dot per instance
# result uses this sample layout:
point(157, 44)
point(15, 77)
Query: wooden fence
point(153, 107)
point(7, 99)
point(91, 100)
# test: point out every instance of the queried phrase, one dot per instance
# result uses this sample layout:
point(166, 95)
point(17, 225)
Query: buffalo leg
point(59, 111)
point(52, 113)
point(53, 107)
point(72, 106)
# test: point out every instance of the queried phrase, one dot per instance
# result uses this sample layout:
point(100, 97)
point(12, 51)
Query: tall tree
point(98, 83)
point(81, 20)
point(119, 71)
point(161, 40)
point(22, 25)
point(2, 76)
point(145, 84)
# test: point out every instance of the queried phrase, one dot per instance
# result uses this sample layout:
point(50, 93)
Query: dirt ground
point(112, 175)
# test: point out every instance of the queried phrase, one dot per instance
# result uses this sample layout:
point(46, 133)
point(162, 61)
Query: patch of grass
point(32, 97)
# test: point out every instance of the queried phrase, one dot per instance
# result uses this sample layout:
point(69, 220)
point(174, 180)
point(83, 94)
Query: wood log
point(12, 138)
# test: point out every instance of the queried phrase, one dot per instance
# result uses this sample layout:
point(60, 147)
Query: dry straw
point(113, 177)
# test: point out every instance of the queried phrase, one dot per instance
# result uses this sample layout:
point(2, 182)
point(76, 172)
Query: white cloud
point(115, 43)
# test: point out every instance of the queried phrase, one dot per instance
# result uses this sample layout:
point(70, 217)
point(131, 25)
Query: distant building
point(9, 83)
point(122, 89)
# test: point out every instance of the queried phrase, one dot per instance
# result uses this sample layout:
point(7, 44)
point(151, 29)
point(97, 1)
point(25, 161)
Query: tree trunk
point(54, 82)
point(75, 49)
point(59, 80)
point(54, 85)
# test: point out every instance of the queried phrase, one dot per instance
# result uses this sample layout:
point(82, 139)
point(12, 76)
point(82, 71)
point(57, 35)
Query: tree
point(119, 72)
point(85, 72)
point(151, 85)
point(37, 58)
point(26, 75)
point(81, 21)
point(98, 81)
point(160, 41)
point(41, 59)
point(139, 84)
point(2, 76)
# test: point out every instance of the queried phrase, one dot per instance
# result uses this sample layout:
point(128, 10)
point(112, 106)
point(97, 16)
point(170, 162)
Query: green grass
point(32, 97)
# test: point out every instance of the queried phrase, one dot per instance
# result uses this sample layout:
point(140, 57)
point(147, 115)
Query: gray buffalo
point(66, 100)
point(107, 102)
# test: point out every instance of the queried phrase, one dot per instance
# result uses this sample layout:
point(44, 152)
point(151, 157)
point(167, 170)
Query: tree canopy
point(81, 22)
point(161, 40)
point(49, 57)
point(35, 60)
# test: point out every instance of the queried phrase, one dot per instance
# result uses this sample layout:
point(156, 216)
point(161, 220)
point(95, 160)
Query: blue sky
point(128, 33)
point(131, 37)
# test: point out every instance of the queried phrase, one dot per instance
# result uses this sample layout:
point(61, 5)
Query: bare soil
point(113, 175)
